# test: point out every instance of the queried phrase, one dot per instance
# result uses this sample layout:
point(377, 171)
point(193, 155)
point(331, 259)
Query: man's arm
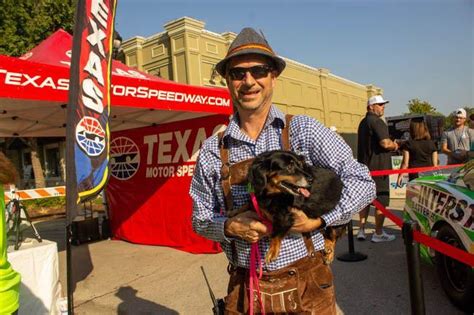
point(207, 219)
point(444, 148)
point(444, 144)
point(388, 144)
point(326, 149)
point(381, 132)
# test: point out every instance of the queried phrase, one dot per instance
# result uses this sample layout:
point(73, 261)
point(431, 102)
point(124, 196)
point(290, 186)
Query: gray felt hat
point(250, 42)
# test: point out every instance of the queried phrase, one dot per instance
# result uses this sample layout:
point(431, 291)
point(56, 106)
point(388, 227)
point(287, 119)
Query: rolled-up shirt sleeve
point(207, 218)
point(327, 149)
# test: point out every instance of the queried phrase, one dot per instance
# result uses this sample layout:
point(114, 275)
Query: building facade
point(186, 52)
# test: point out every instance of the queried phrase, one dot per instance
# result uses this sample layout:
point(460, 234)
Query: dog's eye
point(291, 167)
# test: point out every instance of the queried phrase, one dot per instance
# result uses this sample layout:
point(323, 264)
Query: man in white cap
point(456, 142)
point(298, 279)
point(374, 148)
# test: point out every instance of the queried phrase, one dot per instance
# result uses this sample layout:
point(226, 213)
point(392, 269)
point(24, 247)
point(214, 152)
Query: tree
point(416, 106)
point(36, 163)
point(25, 23)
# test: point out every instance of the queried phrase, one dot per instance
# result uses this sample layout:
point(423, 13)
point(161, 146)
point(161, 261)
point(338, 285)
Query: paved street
point(119, 277)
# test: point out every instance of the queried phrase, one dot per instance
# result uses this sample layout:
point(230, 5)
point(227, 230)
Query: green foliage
point(56, 202)
point(45, 202)
point(25, 23)
point(416, 106)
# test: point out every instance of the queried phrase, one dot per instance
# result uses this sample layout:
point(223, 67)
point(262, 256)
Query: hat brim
point(280, 64)
point(380, 103)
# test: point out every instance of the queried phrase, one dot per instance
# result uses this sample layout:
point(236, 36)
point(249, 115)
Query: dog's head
point(279, 172)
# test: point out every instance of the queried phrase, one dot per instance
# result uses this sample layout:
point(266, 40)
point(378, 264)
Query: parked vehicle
point(443, 206)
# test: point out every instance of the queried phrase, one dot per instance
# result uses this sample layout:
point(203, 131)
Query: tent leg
point(70, 290)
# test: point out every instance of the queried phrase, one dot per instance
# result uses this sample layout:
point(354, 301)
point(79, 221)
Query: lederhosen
point(303, 287)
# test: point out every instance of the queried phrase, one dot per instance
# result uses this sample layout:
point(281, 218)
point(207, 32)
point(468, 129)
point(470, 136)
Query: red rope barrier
point(434, 243)
point(413, 170)
point(387, 213)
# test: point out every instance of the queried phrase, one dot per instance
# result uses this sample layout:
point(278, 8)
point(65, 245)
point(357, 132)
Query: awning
point(34, 93)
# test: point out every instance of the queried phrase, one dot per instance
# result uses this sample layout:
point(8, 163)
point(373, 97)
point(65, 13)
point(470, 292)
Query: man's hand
point(302, 223)
point(246, 226)
point(460, 156)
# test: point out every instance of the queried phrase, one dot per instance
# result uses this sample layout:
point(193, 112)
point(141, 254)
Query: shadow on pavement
point(132, 304)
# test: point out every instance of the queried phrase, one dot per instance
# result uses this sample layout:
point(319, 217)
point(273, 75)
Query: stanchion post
point(412, 248)
point(70, 292)
point(351, 256)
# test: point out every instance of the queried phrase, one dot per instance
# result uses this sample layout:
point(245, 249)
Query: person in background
point(471, 121)
point(374, 148)
point(418, 151)
point(9, 278)
point(456, 142)
point(251, 69)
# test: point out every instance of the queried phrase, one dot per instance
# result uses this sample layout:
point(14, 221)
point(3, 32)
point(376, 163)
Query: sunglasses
point(257, 72)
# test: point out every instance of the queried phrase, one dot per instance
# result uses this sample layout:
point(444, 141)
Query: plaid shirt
point(320, 146)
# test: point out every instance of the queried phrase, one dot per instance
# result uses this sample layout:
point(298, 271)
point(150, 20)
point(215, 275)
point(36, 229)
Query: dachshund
point(282, 180)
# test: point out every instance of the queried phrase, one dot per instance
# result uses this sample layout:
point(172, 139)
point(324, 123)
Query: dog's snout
point(303, 182)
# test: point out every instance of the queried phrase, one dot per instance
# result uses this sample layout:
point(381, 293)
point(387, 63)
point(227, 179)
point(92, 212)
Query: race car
point(442, 204)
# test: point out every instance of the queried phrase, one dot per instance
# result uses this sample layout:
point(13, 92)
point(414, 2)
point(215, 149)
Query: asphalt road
point(116, 277)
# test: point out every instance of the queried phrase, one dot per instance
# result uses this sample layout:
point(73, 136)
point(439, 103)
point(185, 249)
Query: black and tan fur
point(278, 179)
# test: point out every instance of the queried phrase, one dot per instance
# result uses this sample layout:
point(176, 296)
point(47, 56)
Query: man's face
point(250, 92)
point(378, 109)
point(459, 121)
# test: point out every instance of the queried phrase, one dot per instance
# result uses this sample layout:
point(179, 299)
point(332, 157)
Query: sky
point(411, 49)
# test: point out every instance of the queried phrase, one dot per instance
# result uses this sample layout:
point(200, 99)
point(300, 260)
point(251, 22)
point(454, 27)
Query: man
point(456, 142)
point(251, 68)
point(9, 278)
point(471, 121)
point(373, 149)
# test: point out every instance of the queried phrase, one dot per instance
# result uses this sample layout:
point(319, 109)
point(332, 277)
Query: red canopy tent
point(157, 127)
point(34, 87)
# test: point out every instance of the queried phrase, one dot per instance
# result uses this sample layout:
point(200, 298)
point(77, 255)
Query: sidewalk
point(116, 277)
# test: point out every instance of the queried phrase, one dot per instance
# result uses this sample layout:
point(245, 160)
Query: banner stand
point(412, 247)
point(70, 293)
point(351, 256)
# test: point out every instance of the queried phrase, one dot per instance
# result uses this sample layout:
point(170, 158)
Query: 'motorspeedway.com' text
point(38, 81)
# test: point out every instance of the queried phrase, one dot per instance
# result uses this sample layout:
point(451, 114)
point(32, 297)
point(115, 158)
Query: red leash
point(255, 261)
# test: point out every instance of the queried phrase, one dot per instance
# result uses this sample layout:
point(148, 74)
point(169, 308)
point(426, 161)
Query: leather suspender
point(236, 174)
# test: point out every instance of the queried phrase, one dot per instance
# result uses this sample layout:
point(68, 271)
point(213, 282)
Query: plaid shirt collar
point(275, 117)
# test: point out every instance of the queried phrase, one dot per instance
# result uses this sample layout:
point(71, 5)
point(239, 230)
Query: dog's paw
point(328, 256)
point(274, 249)
point(270, 256)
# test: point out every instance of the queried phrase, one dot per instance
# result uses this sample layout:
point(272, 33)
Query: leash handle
point(255, 261)
point(257, 210)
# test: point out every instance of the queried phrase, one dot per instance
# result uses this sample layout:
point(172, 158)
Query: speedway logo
point(90, 136)
point(142, 92)
point(124, 158)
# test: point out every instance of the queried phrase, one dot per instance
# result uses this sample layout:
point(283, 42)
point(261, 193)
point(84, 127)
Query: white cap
point(333, 128)
point(460, 112)
point(377, 99)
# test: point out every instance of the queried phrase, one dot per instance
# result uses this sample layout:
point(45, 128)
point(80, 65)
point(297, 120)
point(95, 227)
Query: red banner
point(89, 100)
point(148, 191)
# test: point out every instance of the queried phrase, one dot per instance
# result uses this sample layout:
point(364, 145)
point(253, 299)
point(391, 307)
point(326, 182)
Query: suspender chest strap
point(236, 174)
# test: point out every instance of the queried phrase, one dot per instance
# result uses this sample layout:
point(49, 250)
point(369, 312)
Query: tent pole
point(70, 287)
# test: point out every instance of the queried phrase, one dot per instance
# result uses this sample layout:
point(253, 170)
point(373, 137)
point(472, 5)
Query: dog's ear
point(257, 175)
